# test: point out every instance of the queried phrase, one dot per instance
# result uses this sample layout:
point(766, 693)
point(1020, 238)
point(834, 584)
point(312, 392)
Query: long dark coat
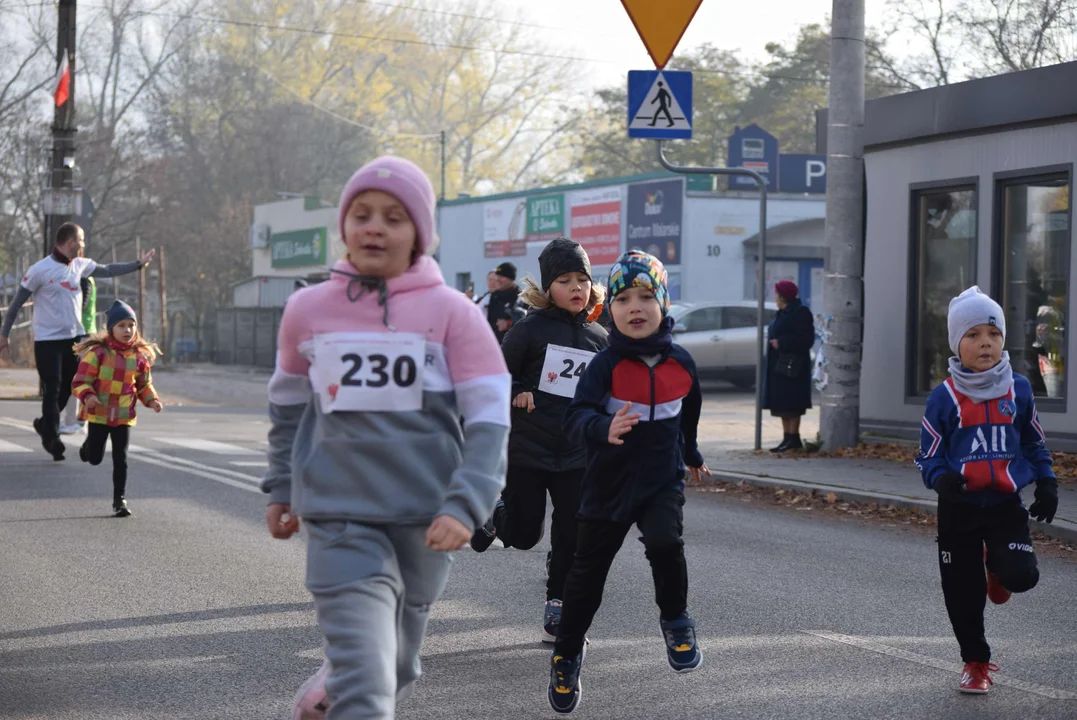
point(794, 329)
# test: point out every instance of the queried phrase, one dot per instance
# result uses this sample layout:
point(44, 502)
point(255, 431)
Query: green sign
point(545, 217)
point(700, 183)
point(299, 248)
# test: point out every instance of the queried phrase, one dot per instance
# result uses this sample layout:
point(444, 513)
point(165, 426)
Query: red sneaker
point(996, 593)
point(976, 678)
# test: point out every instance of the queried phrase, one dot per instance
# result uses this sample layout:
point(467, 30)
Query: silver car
point(721, 337)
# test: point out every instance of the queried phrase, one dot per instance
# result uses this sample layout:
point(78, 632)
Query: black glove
point(950, 485)
point(1046, 504)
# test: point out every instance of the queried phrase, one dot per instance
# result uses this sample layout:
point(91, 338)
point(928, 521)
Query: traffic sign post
point(660, 104)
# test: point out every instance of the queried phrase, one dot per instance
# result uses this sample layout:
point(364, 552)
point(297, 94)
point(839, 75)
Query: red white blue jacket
point(620, 479)
point(997, 445)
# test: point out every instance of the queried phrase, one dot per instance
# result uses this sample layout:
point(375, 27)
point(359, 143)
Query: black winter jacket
point(537, 440)
point(794, 329)
point(504, 305)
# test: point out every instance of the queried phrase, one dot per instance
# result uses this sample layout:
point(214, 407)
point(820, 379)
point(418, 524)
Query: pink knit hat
point(405, 181)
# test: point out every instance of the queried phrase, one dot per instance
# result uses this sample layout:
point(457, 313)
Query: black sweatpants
point(661, 521)
point(97, 434)
point(57, 364)
point(520, 524)
point(964, 530)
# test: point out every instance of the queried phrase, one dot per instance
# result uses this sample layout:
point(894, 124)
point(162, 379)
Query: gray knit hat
point(969, 309)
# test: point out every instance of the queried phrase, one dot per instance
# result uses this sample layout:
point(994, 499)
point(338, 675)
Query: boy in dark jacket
point(504, 309)
point(636, 410)
point(980, 443)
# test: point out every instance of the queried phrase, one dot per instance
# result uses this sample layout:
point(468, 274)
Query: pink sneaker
point(312, 701)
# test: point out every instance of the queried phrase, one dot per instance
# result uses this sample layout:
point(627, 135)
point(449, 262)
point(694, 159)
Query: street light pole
point(63, 121)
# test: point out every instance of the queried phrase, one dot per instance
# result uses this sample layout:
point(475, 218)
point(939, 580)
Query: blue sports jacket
point(620, 479)
point(997, 445)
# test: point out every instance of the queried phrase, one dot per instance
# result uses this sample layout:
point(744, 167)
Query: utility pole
point(141, 285)
point(164, 302)
point(63, 122)
point(840, 412)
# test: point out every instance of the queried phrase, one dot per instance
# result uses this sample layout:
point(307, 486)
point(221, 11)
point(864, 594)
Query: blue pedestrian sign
point(660, 104)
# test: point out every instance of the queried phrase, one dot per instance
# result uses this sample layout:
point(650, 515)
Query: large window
point(943, 264)
point(1034, 244)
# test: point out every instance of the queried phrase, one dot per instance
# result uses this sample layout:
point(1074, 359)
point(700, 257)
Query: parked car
point(721, 337)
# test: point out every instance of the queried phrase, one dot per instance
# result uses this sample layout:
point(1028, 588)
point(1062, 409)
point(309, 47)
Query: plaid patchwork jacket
point(118, 375)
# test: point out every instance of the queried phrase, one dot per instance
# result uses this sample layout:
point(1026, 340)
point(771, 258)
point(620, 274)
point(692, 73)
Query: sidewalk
point(862, 481)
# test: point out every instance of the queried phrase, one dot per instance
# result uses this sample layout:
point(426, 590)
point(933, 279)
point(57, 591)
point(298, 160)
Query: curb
point(1059, 530)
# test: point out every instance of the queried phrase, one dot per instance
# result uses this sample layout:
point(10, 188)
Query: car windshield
point(677, 310)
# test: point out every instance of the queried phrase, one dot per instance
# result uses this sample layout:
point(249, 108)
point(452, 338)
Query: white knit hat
point(969, 309)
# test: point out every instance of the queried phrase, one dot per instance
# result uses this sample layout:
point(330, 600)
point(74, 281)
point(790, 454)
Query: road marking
point(210, 446)
point(221, 475)
point(957, 668)
point(18, 424)
point(249, 463)
point(10, 447)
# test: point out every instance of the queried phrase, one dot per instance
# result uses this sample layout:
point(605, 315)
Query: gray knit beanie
point(969, 309)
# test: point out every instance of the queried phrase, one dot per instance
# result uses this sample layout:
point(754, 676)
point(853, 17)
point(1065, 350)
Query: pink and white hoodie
point(403, 458)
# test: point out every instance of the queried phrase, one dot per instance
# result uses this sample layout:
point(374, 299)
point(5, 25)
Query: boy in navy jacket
point(635, 410)
point(980, 443)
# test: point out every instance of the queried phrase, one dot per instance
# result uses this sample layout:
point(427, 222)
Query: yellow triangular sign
point(661, 24)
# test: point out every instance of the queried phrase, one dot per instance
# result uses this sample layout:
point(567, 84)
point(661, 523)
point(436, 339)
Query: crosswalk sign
point(660, 104)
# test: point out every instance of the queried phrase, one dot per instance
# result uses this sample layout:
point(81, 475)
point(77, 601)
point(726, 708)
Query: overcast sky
point(601, 30)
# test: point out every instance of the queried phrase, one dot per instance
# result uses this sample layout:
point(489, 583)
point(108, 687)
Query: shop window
point(1033, 241)
point(943, 264)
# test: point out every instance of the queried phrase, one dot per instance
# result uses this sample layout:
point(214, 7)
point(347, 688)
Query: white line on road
point(249, 463)
point(10, 447)
point(211, 446)
point(221, 475)
point(18, 424)
point(872, 646)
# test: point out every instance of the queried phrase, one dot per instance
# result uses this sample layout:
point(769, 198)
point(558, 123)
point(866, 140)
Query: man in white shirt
point(55, 285)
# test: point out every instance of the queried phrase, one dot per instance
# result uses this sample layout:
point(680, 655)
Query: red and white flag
point(63, 81)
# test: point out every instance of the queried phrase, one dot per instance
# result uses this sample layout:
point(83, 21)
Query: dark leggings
point(56, 367)
point(94, 451)
point(964, 531)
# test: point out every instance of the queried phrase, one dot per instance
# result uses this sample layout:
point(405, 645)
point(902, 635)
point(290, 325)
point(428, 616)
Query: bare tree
point(975, 38)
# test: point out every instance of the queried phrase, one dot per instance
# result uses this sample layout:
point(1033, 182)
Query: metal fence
point(247, 336)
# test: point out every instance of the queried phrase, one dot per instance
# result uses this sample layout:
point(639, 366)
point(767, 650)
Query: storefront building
point(970, 184)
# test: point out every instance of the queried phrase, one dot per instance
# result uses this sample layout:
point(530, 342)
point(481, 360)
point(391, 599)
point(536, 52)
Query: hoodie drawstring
point(359, 285)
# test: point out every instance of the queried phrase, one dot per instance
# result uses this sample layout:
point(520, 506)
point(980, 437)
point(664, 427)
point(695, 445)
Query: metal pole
point(164, 302)
point(442, 164)
point(63, 119)
point(840, 407)
point(141, 285)
point(115, 280)
point(761, 183)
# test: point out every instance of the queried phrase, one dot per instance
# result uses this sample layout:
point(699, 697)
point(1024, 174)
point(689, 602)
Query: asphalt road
point(190, 610)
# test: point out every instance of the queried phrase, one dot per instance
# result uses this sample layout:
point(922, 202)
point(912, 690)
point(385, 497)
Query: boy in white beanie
point(980, 443)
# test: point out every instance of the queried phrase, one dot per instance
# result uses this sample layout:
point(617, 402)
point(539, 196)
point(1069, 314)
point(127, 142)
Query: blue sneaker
point(681, 647)
point(565, 687)
point(551, 620)
point(483, 538)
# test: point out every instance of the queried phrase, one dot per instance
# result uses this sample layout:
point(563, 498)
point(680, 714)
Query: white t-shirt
point(57, 297)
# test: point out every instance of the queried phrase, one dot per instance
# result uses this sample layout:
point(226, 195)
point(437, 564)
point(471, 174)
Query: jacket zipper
point(990, 465)
point(651, 369)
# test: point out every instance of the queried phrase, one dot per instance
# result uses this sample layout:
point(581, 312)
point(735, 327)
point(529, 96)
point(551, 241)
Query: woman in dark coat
point(787, 390)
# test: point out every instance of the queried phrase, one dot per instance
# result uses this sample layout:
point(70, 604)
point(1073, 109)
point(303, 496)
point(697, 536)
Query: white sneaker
point(72, 429)
point(312, 701)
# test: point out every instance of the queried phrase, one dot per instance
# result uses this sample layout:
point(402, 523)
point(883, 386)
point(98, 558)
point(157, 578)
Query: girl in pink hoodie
point(375, 368)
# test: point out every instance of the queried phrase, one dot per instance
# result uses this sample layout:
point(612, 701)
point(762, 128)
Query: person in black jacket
point(787, 388)
point(636, 411)
point(547, 352)
point(504, 309)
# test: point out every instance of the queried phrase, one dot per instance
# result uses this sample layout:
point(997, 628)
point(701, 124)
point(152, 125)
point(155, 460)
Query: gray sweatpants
point(373, 587)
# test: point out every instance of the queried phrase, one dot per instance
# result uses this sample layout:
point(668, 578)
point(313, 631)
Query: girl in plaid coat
point(113, 372)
